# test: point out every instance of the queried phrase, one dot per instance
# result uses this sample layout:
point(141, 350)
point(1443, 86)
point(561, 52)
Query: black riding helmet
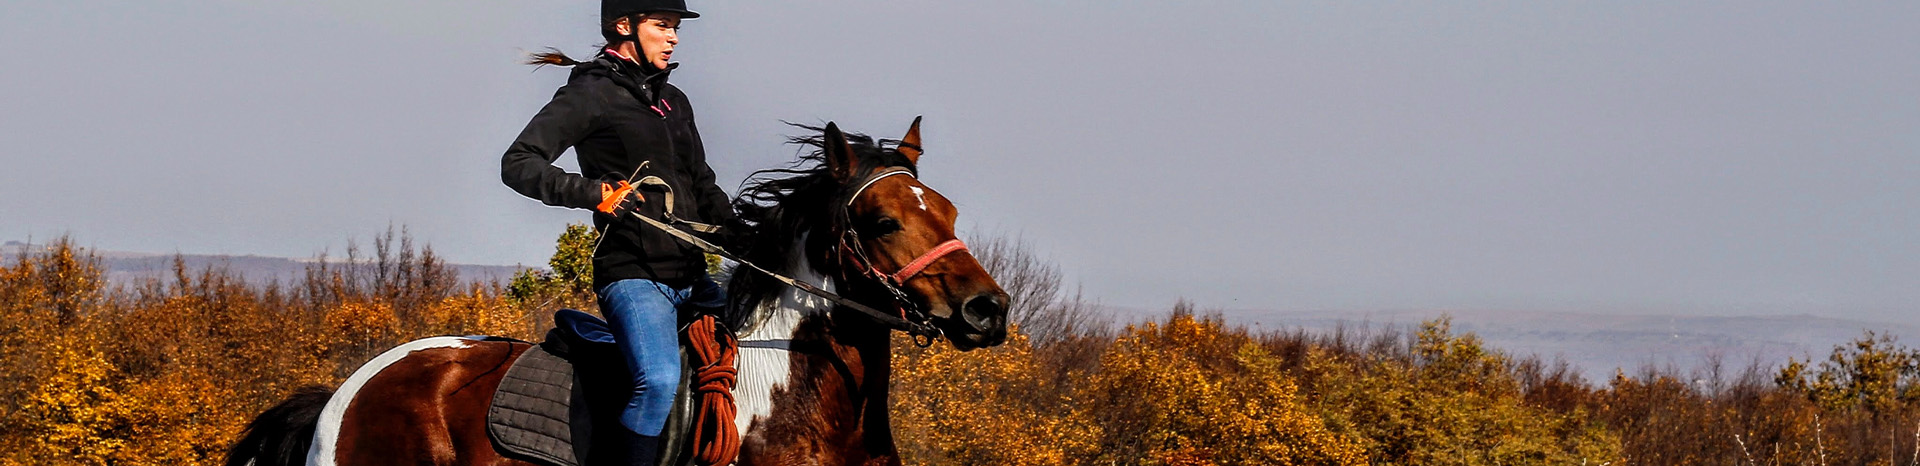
point(611, 10)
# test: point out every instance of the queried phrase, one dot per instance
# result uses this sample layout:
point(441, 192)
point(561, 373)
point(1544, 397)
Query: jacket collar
point(643, 80)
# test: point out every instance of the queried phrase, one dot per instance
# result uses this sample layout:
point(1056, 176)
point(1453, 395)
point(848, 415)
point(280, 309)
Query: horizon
point(1252, 316)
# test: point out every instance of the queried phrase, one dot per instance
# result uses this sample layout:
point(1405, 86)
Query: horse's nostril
point(985, 311)
point(985, 305)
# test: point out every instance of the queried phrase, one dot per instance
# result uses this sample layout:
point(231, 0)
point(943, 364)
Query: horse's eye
point(883, 226)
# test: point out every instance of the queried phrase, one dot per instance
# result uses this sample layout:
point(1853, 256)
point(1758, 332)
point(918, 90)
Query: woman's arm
point(715, 207)
point(528, 166)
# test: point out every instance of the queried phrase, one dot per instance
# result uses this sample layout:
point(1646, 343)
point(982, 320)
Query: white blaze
point(920, 194)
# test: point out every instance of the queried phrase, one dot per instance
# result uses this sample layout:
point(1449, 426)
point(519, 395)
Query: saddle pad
point(530, 411)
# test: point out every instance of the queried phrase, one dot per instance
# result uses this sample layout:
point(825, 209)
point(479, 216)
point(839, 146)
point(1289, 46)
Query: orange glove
point(613, 198)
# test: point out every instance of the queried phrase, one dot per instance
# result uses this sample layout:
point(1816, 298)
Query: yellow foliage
point(1452, 402)
point(990, 406)
point(1193, 391)
point(478, 313)
point(1183, 393)
point(74, 409)
point(1871, 373)
point(169, 373)
point(1188, 392)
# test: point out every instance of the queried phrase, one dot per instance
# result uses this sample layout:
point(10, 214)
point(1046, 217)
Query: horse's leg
point(428, 408)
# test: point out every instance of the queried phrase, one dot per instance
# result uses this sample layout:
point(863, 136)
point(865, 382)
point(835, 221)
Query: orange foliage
point(1191, 392)
point(991, 406)
point(167, 372)
point(1442, 399)
point(1181, 393)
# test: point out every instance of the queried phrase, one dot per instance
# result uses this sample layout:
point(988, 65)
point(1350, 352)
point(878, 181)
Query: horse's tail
point(281, 435)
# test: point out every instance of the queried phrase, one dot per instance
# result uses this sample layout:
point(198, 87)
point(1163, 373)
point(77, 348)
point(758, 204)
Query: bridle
point(852, 255)
point(906, 317)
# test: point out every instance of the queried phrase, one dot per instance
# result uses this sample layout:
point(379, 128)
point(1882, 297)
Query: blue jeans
point(643, 317)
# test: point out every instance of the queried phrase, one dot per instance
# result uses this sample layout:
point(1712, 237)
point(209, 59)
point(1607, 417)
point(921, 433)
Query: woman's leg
point(642, 317)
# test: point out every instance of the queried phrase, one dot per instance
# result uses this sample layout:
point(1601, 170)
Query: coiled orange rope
point(715, 439)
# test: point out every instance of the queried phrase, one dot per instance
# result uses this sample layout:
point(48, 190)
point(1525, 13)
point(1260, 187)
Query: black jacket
point(616, 117)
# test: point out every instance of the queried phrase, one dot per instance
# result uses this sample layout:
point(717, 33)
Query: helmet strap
point(632, 35)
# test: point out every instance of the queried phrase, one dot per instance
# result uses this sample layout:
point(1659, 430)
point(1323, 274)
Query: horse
point(813, 377)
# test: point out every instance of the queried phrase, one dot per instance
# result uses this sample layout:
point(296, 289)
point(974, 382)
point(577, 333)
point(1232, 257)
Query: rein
point(918, 325)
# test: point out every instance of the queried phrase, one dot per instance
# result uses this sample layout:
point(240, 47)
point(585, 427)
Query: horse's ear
point(910, 144)
point(839, 155)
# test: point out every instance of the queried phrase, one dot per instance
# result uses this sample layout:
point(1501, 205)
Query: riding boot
point(642, 450)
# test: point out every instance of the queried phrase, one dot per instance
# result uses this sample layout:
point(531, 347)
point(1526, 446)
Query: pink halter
point(921, 263)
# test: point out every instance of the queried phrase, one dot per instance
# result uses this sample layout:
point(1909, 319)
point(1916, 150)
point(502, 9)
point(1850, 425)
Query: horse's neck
point(763, 361)
point(803, 385)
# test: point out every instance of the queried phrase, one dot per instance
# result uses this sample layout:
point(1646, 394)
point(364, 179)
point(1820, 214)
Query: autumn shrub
point(1191, 391)
point(1194, 390)
point(168, 371)
point(1011, 404)
point(568, 280)
point(1847, 410)
point(31, 288)
point(989, 406)
point(1439, 399)
point(480, 311)
point(1873, 374)
point(1185, 391)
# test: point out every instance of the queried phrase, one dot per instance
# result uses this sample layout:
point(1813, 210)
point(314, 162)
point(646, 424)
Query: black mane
point(778, 205)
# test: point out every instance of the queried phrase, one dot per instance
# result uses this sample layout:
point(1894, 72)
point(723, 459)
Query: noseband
point(851, 252)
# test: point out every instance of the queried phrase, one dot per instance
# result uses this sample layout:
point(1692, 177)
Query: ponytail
point(608, 31)
point(552, 56)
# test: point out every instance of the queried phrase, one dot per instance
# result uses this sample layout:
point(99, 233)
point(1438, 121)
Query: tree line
point(167, 371)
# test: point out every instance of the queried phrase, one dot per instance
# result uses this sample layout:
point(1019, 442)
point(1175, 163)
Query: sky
point(1694, 158)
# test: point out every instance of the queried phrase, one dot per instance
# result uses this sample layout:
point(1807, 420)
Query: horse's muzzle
point(985, 316)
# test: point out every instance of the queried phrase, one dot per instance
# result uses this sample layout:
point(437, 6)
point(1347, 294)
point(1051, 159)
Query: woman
point(625, 122)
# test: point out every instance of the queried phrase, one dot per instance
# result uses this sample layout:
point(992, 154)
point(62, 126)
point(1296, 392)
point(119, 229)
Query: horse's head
point(898, 231)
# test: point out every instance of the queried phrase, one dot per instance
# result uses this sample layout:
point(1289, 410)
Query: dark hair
point(555, 57)
point(552, 56)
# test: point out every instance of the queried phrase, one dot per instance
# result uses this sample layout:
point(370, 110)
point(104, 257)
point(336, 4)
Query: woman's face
point(658, 33)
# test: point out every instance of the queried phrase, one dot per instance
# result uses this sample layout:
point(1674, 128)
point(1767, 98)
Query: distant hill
point(131, 267)
point(1597, 344)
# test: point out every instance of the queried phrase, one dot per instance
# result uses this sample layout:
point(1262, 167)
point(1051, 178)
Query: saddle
point(562, 398)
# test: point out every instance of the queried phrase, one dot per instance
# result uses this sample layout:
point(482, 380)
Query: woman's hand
point(614, 198)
